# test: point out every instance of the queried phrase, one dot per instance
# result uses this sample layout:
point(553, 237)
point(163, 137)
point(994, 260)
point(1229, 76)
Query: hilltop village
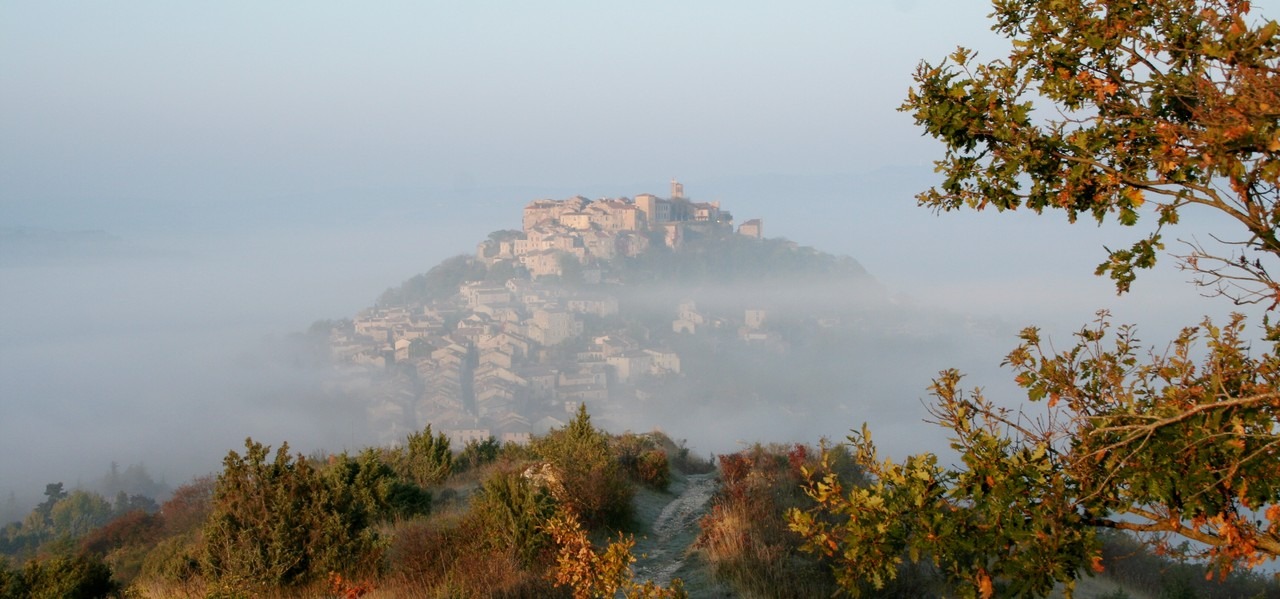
point(533, 330)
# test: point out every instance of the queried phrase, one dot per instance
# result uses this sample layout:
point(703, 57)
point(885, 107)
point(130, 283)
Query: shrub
point(644, 460)
point(407, 499)
point(653, 470)
point(513, 452)
point(595, 486)
point(745, 538)
point(453, 557)
point(1129, 561)
point(133, 528)
point(476, 454)
point(282, 523)
point(189, 506)
point(124, 542)
point(599, 573)
point(679, 456)
point(425, 459)
point(257, 534)
point(67, 578)
point(12, 585)
point(173, 562)
point(513, 511)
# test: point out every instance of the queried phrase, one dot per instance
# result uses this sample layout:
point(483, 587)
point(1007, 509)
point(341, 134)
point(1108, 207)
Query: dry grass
point(454, 555)
point(745, 538)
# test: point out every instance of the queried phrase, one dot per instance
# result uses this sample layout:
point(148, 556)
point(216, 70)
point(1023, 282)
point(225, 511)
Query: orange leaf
point(985, 588)
point(1134, 196)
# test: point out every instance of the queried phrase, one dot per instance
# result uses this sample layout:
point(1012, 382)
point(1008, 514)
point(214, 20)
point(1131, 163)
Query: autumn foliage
point(1108, 110)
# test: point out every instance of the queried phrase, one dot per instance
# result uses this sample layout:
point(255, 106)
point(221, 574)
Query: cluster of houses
point(513, 359)
point(592, 231)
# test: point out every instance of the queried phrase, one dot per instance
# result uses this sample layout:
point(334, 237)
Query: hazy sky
point(311, 154)
point(154, 118)
point(198, 103)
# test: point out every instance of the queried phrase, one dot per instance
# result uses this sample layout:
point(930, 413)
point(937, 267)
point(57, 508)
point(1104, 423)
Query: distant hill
point(34, 246)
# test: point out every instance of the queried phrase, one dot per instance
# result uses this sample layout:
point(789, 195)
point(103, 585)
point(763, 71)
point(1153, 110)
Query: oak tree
point(1124, 110)
point(1108, 109)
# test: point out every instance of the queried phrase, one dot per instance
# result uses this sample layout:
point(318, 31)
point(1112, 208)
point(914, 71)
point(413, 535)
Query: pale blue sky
point(199, 102)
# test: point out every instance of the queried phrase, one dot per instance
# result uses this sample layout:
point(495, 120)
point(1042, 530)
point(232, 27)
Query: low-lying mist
point(173, 345)
point(846, 352)
point(172, 353)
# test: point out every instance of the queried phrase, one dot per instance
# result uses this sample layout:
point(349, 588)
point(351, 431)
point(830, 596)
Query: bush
point(124, 542)
point(745, 538)
point(1129, 561)
point(425, 459)
point(476, 454)
point(283, 523)
point(594, 486)
point(12, 586)
point(653, 470)
point(173, 562)
point(680, 459)
point(454, 557)
point(188, 507)
point(644, 460)
point(606, 572)
point(67, 578)
point(513, 511)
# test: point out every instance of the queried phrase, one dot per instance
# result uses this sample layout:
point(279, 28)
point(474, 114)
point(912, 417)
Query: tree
point(53, 493)
point(1114, 109)
point(1108, 108)
point(79, 513)
point(440, 282)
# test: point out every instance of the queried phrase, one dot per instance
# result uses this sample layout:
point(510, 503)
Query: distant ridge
point(32, 246)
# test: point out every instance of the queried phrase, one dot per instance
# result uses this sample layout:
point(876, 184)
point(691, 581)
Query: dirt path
point(662, 552)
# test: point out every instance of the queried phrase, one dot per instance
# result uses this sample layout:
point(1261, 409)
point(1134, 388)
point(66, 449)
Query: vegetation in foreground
point(551, 519)
point(545, 520)
point(1111, 110)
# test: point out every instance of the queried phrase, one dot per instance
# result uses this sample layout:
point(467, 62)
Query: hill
point(596, 303)
point(25, 246)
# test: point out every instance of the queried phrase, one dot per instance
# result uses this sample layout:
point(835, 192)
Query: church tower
point(677, 190)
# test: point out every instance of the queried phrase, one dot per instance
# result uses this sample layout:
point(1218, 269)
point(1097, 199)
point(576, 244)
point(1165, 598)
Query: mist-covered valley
point(177, 344)
point(171, 353)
